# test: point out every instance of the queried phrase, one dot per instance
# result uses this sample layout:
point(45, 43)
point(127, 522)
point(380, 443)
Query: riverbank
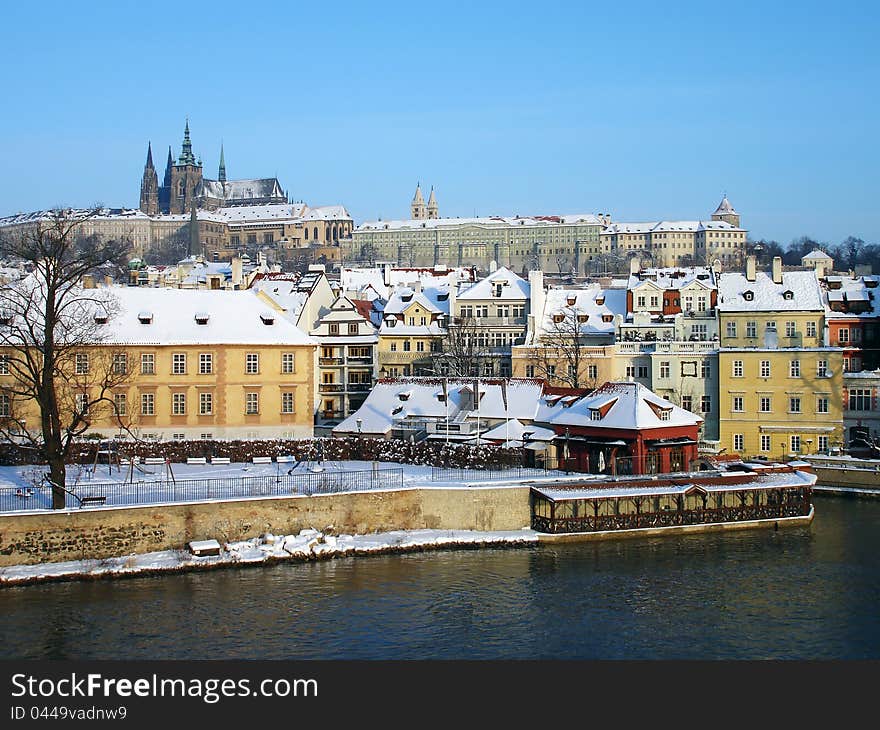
point(264, 550)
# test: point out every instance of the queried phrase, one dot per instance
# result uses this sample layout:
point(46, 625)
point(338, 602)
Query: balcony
point(490, 321)
point(331, 361)
point(331, 388)
point(360, 360)
point(359, 387)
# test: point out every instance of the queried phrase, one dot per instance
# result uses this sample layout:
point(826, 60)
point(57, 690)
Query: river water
point(807, 593)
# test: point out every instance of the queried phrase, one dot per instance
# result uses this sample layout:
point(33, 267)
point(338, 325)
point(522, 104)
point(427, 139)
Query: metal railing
point(117, 494)
point(496, 472)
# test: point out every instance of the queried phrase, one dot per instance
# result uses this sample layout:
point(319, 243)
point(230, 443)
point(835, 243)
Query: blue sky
point(645, 110)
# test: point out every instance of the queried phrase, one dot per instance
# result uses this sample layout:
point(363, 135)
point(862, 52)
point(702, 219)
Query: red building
point(620, 428)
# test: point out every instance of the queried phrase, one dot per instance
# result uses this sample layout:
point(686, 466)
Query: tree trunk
point(57, 474)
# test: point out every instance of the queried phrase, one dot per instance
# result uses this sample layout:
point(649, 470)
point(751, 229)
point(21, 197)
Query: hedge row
point(456, 456)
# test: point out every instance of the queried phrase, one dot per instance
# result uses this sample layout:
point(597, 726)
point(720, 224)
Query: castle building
point(419, 211)
point(184, 186)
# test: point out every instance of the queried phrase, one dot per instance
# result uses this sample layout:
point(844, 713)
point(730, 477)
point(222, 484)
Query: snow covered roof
point(724, 207)
point(674, 278)
point(394, 400)
point(267, 187)
point(486, 222)
point(815, 255)
point(670, 226)
point(798, 292)
point(597, 305)
point(511, 287)
point(623, 405)
point(862, 290)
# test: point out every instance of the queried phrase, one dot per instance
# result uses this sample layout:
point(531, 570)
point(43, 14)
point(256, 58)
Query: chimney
point(634, 265)
point(751, 268)
point(108, 280)
point(88, 281)
point(386, 274)
point(237, 271)
point(777, 269)
point(536, 292)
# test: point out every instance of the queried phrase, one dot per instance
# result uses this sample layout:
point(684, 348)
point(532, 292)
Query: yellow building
point(414, 324)
point(195, 364)
point(779, 388)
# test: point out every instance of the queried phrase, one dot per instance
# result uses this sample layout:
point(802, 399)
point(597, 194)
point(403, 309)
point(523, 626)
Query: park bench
point(154, 460)
point(196, 460)
point(93, 499)
point(219, 459)
point(262, 460)
point(286, 459)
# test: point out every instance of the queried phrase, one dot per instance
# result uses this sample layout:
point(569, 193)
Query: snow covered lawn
point(307, 545)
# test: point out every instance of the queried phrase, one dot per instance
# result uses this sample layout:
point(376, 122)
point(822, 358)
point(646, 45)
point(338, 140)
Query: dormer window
point(749, 295)
point(607, 318)
point(600, 300)
point(582, 318)
point(788, 294)
point(664, 414)
point(558, 318)
point(267, 318)
point(202, 318)
point(101, 318)
point(145, 317)
point(595, 414)
point(405, 395)
point(443, 296)
point(570, 300)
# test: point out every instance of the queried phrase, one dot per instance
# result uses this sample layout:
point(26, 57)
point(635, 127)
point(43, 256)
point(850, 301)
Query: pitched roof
point(513, 286)
point(767, 296)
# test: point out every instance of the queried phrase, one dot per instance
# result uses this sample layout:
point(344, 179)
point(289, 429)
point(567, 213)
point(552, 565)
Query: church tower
point(725, 212)
point(165, 187)
point(185, 177)
point(221, 173)
point(150, 186)
point(417, 209)
point(433, 209)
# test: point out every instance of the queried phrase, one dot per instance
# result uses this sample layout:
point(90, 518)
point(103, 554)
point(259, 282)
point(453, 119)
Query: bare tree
point(51, 334)
point(461, 349)
point(560, 356)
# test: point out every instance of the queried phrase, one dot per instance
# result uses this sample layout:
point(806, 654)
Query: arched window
point(181, 187)
point(316, 233)
point(335, 233)
point(307, 233)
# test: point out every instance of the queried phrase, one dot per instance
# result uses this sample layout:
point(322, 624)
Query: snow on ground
point(150, 484)
point(307, 545)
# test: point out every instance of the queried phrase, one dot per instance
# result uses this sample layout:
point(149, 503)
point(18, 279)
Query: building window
point(738, 442)
point(766, 404)
point(252, 403)
point(82, 363)
point(664, 369)
point(420, 346)
point(595, 414)
point(592, 371)
point(860, 399)
point(82, 403)
point(765, 442)
point(643, 371)
point(393, 347)
point(178, 404)
point(795, 444)
point(821, 368)
point(252, 363)
point(119, 404)
point(530, 371)
point(4, 364)
point(731, 329)
point(287, 402)
point(352, 328)
point(148, 404)
point(178, 436)
point(843, 334)
point(705, 370)
point(765, 368)
point(630, 371)
point(334, 328)
point(5, 407)
point(790, 330)
point(822, 404)
point(794, 369)
point(737, 368)
point(148, 364)
point(206, 363)
point(206, 404)
point(751, 329)
point(120, 363)
point(287, 363)
point(738, 404)
point(706, 404)
point(823, 443)
point(811, 329)
point(178, 363)
point(687, 402)
point(407, 345)
point(206, 436)
point(794, 404)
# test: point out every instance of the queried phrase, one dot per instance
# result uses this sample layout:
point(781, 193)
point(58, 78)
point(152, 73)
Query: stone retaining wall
point(96, 533)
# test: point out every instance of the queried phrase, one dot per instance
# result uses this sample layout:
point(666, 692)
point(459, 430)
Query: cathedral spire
point(168, 166)
point(222, 173)
point(186, 152)
point(149, 165)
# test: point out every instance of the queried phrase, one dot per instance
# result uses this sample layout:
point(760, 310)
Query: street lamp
point(360, 424)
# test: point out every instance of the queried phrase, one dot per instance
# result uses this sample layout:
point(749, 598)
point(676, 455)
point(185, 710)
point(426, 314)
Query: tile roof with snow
point(393, 400)
point(150, 316)
point(670, 227)
point(815, 255)
point(863, 291)
point(501, 280)
point(598, 305)
point(674, 277)
point(624, 405)
point(798, 292)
